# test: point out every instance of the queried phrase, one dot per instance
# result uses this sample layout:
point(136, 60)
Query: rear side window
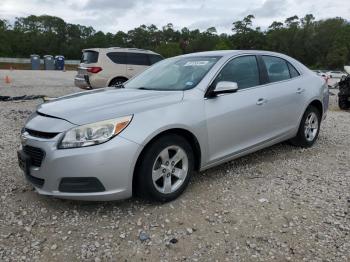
point(293, 72)
point(137, 59)
point(154, 59)
point(277, 68)
point(117, 57)
point(242, 70)
point(89, 57)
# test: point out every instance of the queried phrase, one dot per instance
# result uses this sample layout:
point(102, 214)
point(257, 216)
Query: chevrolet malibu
point(184, 114)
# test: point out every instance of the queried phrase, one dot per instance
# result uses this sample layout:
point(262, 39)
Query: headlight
point(95, 133)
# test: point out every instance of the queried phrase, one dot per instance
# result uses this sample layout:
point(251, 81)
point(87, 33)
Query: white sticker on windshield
point(196, 63)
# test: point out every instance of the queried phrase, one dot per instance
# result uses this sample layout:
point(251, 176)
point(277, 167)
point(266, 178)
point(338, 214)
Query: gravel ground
point(279, 204)
point(37, 82)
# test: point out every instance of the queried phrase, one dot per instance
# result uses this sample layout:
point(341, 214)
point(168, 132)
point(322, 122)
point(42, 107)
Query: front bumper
point(112, 163)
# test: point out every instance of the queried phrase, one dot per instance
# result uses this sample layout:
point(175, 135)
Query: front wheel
point(165, 168)
point(309, 128)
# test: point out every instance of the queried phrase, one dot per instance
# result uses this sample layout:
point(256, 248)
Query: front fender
point(174, 116)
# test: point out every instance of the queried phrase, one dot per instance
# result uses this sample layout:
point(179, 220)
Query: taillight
point(94, 69)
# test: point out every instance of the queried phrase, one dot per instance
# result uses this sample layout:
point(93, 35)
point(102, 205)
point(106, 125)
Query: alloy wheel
point(170, 169)
point(311, 126)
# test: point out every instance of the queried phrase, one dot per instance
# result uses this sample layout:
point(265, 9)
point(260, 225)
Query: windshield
point(178, 73)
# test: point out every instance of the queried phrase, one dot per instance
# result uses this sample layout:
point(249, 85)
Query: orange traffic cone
point(7, 80)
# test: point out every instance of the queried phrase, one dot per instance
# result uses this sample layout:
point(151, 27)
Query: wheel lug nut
point(167, 163)
point(163, 170)
point(172, 163)
point(173, 171)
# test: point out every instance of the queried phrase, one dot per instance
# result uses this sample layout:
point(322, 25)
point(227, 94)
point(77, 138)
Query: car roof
point(229, 53)
point(234, 52)
point(120, 49)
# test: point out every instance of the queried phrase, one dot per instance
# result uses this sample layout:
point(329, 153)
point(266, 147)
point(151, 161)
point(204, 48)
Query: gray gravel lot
point(279, 204)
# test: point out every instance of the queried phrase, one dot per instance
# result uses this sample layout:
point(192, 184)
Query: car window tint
point(117, 57)
point(89, 57)
point(137, 59)
point(242, 70)
point(293, 72)
point(154, 59)
point(277, 68)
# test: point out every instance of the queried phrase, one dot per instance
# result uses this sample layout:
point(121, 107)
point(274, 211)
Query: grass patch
point(28, 66)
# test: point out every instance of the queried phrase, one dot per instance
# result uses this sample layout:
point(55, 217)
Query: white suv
point(101, 67)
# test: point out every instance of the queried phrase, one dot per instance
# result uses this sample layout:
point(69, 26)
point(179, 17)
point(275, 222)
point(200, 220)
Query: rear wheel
point(117, 81)
point(309, 128)
point(165, 168)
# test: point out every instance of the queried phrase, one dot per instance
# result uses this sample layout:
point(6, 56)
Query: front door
point(237, 121)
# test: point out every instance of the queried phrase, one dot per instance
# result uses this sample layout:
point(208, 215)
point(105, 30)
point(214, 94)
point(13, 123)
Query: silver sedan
point(184, 114)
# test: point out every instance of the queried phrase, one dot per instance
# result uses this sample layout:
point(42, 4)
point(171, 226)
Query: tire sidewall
point(149, 157)
point(117, 80)
point(301, 132)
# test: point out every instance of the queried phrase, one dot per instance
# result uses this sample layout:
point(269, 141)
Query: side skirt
point(249, 150)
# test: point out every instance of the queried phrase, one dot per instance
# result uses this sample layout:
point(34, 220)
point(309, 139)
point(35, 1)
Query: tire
point(343, 103)
point(117, 81)
point(303, 137)
point(155, 171)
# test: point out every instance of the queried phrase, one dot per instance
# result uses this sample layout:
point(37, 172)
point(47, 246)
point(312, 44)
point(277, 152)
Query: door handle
point(130, 68)
point(261, 101)
point(300, 90)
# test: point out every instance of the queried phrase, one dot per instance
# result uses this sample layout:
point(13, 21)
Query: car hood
point(107, 103)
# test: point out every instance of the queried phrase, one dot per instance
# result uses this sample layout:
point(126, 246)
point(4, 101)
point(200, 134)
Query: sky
point(114, 15)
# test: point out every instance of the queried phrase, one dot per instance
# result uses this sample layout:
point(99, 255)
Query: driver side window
point(242, 70)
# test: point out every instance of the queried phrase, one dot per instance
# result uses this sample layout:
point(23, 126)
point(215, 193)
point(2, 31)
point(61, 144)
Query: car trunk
point(88, 59)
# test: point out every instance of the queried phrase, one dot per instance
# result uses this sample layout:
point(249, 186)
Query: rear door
point(136, 63)
point(285, 92)
point(118, 66)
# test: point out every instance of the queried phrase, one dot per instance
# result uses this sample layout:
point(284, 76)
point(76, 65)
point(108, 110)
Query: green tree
point(169, 49)
point(322, 43)
point(245, 36)
point(5, 46)
point(337, 57)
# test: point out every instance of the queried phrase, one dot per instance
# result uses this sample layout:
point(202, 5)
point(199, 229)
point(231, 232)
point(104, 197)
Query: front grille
point(40, 134)
point(36, 155)
point(38, 182)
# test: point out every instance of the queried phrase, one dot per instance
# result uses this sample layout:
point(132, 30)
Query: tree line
point(316, 43)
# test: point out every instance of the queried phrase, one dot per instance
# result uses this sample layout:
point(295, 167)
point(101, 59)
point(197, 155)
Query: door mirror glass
point(224, 87)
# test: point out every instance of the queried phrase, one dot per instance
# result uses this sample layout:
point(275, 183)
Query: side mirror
point(224, 87)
